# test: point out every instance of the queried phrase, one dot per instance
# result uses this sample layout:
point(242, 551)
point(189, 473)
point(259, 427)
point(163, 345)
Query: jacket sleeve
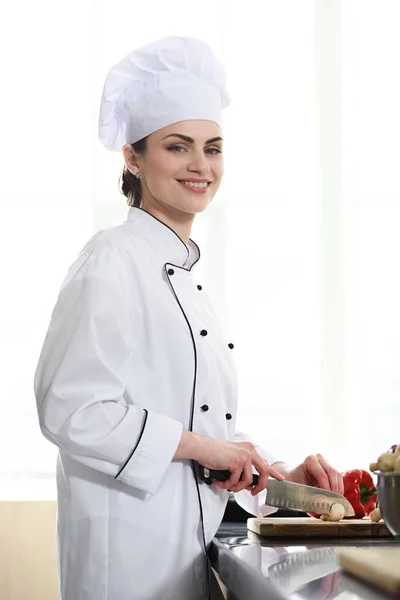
point(80, 394)
point(255, 505)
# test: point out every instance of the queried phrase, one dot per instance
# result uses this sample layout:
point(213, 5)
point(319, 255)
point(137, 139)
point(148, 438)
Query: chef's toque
point(173, 79)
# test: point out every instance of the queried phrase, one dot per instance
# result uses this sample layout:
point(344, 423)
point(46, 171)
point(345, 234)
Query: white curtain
point(300, 249)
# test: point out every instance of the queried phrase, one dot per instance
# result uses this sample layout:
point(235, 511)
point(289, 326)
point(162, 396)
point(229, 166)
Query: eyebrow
point(190, 140)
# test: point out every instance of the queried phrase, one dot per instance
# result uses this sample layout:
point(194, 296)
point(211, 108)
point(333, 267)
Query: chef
point(136, 380)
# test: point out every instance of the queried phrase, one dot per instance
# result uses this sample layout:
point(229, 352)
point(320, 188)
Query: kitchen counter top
point(254, 568)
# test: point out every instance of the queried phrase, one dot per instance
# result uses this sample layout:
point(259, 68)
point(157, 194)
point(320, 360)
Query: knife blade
point(286, 494)
point(297, 569)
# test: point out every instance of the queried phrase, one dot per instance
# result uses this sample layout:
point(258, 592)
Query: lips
point(196, 186)
point(195, 182)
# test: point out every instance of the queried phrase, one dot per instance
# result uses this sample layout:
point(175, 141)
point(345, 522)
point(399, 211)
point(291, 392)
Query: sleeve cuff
point(155, 449)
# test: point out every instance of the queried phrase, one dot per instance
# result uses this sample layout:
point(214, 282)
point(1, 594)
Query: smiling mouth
point(201, 185)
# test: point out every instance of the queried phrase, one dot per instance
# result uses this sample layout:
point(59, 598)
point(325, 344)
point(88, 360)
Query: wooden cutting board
point(379, 566)
point(302, 527)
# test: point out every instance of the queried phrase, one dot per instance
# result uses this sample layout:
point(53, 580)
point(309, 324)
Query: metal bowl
point(389, 500)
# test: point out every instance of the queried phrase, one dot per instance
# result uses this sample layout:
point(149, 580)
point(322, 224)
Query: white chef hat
point(170, 80)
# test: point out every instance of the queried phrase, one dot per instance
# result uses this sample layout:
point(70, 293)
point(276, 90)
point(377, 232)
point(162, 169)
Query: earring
point(137, 175)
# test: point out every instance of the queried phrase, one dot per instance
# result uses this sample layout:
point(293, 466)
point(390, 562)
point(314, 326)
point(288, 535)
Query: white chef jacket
point(133, 354)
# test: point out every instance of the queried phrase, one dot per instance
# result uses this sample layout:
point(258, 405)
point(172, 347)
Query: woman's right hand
point(236, 457)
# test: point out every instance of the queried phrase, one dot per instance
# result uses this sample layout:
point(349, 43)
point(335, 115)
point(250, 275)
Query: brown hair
point(129, 185)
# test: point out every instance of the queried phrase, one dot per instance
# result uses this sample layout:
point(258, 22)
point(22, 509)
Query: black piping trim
point(137, 444)
point(179, 238)
point(191, 428)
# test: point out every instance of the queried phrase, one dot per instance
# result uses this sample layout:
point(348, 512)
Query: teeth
point(196, 185)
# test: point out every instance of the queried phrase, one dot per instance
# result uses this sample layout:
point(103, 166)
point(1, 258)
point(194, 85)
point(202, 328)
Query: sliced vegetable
point(360, 491)
point(336, 513)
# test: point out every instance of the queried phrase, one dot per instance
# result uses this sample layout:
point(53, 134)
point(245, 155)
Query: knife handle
point(210, 475)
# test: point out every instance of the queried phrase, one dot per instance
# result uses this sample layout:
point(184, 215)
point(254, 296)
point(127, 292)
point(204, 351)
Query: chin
point(197, 205)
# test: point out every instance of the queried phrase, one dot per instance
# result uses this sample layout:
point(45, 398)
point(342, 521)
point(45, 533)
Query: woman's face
point(182, 167)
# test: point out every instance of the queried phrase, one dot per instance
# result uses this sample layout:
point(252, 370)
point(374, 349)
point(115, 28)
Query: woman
point(136, 382)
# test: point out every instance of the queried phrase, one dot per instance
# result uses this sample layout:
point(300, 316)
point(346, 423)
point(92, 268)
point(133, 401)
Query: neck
point(178, 221)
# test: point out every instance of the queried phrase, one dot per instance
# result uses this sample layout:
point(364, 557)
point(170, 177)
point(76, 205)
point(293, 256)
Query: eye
point(176, 148)
point(213, 151)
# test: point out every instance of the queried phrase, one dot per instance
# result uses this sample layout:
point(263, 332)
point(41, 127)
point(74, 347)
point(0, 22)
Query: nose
point(199, 164)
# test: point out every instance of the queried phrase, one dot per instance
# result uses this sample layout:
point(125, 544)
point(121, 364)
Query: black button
point(199, 287)
point(231, 346)
point(203, 332)
point(205, 407)
point(228, 416)
point(170, 271)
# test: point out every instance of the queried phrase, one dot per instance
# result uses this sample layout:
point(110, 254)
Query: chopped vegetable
point(336, 513)
point(375, 515)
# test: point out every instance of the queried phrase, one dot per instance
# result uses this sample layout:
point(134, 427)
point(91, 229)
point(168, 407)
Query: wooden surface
point(28, 563)
point(380, 566)
point(309, 527)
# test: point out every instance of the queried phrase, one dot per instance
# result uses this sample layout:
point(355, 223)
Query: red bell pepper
point(360, 491)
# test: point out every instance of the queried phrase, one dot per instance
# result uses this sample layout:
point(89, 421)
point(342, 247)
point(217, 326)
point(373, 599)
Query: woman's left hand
point(315, 471)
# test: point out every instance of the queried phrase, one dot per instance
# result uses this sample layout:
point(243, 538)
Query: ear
point(131, 159)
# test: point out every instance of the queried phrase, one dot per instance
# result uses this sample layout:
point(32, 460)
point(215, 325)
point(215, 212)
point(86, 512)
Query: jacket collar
point(162, 241)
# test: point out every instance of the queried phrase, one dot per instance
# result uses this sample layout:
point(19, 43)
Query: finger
point(275, 474)
point(263, 468)
point(341, 484)
point(335, 478)
point(246, 478)
point(270, 470)
point(231, 482)
point(335, 486)
point(220, 484)
point(318, 473)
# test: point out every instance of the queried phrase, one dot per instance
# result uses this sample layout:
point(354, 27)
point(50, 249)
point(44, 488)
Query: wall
point(28, 568)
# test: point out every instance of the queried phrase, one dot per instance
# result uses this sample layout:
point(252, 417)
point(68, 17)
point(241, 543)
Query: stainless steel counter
point(254, 568)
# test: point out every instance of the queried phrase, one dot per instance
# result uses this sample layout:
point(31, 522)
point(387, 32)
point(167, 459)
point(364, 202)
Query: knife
point(300, 568)
point(286, 494)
